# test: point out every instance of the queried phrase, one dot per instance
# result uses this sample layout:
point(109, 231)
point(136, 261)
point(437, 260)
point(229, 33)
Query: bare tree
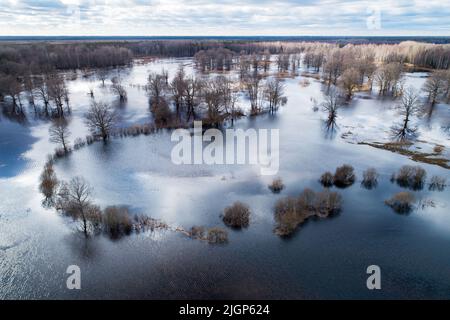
point(333, 67)
point(349, 81)
point(29, 86)
point(178, 88)
point(102, 75)
point(435, 86)
point(274, 93)
point(214, 95)
point(408, 106)
point(156, 86)
point(57, 91)
point(48, 182)
point(254, 90)
point(332, 103)
point(10, 86)
point(118, 88)
point(266, 61)
point(75, 200)
point(388, 77)
point(101, 119)
point(59, 133)
point(42, 92)
point(192, 95)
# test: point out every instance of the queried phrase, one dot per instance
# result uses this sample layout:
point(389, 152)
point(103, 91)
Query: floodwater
point(324, 259)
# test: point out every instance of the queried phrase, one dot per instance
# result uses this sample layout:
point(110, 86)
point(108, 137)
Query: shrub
point(288, 216)
point(307, 200)
point(327, 203)
point(402, 202)
point(437, 183)
point(290, 212)
point(49, 182)
point(344, 176)
point(78, 143)
point(197, 232)
point(217, 235)
point(94, 216)
point(237, 215)
point(438, 149)
point(117, 222)
point(90, 140)
point(143, 222)
point(411, 177)
point(370, 178)
point(277, 185)
point(60, 153)
point(327, 179)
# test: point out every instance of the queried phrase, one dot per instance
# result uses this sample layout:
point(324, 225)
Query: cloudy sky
point(224, 17)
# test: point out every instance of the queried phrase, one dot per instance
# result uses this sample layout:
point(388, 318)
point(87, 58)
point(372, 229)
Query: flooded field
point(325, 258)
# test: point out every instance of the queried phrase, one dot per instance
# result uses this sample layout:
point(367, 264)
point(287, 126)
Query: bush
point(217, 236)
point(437, 183)
point(277, 185)
point(237, 215)
point(60, 153)
point(78, 143)
point(438, 149)
point(90, 140)
point(307, 200)
point(197, 232)
point(402, 202)
point(49, 182)
point(412, 177)
point(290, 212)
point(117, 222)
point(327, 179)
point(344, 176)
point(328, 203)
point(288, 216)
point(370, 178)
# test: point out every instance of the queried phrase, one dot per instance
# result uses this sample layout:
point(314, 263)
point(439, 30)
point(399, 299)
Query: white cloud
point(222, 17)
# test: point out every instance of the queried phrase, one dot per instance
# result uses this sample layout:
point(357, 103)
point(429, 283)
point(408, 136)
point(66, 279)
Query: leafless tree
point(435, 86)
point(11, 86)
point(274, 93)
point(333, 67)
point(215, 92)
point(156, 86)
point(333, 101)
point(102, 75)
point(266, 61)
point(101, 119)
point(388, 77)
point(254, 90)
point(42, 92)
point(75, 200)
point(192, 95)
point(29, 86)
point(178, 88)
point(283, 61)
point(48, 182)
point(57, 91)
point(59, 133)
point(409, 105)
point(349, 81)
point(118, 88)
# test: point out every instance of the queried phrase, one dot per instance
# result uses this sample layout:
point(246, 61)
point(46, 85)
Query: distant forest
point(36, 57)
